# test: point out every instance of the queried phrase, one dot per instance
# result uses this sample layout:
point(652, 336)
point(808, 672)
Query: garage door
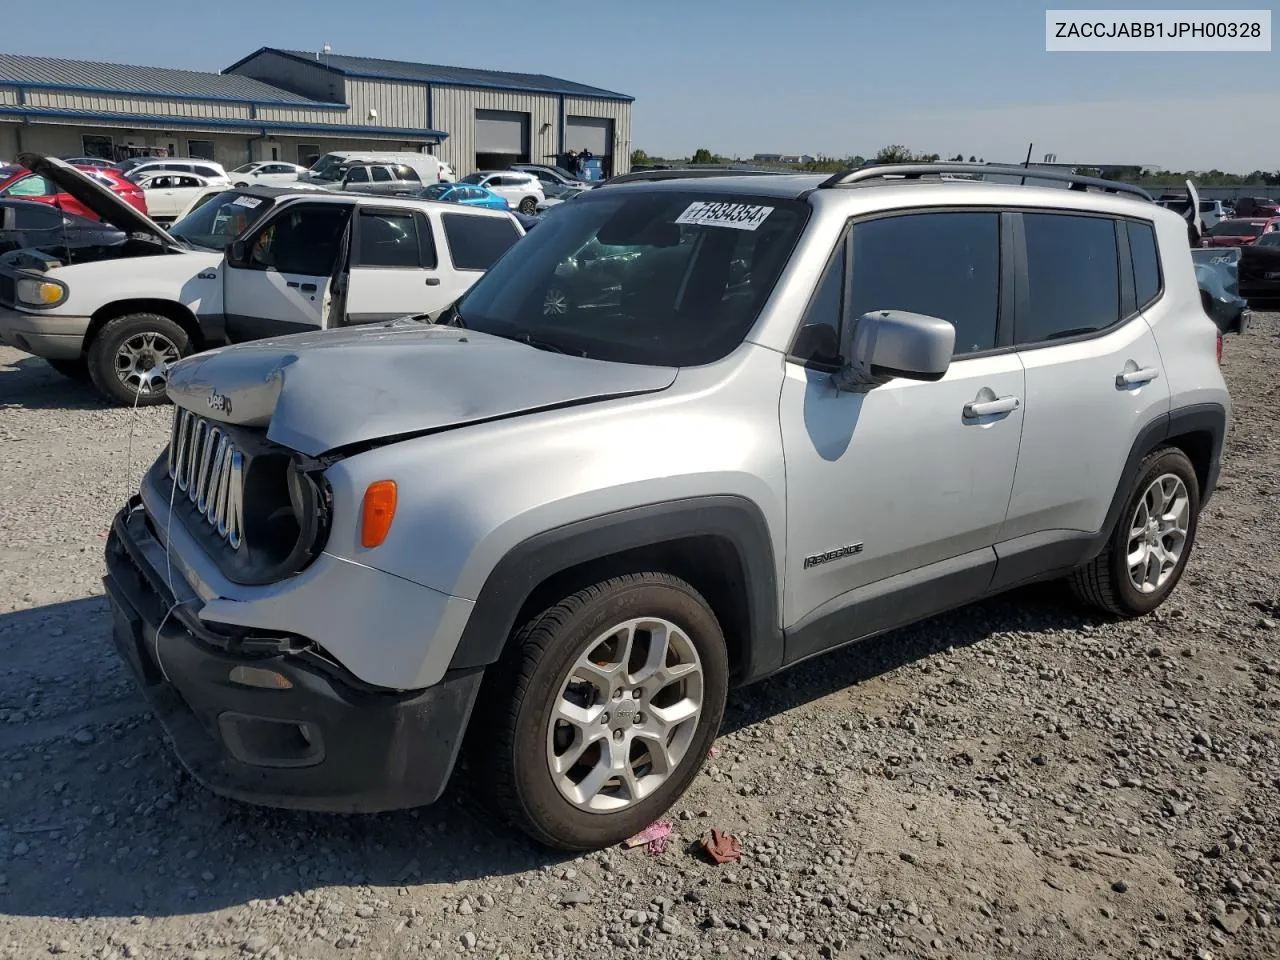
point(503, 132)
point(589, 133)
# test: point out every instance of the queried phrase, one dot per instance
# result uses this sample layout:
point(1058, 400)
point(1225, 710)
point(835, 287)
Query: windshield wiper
point(532, 341)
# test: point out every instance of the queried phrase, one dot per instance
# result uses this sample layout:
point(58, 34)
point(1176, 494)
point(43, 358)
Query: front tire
point(1148, 550)
point(128, 356)
point(603, 711)
point(528, 206)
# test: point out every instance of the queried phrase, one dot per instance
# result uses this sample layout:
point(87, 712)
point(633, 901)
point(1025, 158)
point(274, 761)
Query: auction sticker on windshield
point(249, 202)
point(739, 216)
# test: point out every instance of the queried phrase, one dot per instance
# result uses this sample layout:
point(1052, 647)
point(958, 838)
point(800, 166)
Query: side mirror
point(237, 253)
point(884, 344)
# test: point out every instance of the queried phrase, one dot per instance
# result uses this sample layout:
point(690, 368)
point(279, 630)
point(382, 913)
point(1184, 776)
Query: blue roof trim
point(200, 97)
point(254, 126)
point(445, 76)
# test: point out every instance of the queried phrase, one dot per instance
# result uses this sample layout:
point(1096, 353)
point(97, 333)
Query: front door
point(396, 270)
point(283, 284)
point(896, 495)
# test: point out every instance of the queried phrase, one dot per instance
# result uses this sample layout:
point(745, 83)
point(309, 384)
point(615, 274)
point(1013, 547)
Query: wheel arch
point(1198, 430)
point(721, 545)
point(177, 312)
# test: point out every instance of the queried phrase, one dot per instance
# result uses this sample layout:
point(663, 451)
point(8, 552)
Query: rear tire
point(1148, 550)
point(77, 370)
point(528, 206)
point(655, 728)
point(124, 352)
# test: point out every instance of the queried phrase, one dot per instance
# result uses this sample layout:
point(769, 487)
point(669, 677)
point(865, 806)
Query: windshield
point(220, 219)
point(436, 190)
point(668, 278)
point(247, 167)
point(1270, 240)
point(473, 178)
point(1236, 228)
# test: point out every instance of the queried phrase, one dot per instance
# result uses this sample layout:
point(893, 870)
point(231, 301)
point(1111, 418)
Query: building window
point(97, 146)
point(200, 149)
point(308, 153)
point(275, 153)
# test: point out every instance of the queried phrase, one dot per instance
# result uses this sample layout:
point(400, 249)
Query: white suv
point(522, 191)
point(780, 414)
point(249, 263)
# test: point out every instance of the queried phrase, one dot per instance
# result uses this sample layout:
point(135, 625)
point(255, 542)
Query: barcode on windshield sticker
point(739, 216)
point(249, 202)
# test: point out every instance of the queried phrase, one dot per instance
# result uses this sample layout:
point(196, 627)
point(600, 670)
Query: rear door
point(284, 281)
point(1094, 377)
point(395, 267)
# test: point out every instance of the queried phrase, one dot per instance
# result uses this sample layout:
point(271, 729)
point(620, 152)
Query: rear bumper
point(325, 742)
point(44, 335)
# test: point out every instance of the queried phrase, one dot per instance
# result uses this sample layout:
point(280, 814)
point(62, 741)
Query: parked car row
point(244, 263)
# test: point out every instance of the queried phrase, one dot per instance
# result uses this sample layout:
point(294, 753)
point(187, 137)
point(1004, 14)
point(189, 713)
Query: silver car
point(798, 413)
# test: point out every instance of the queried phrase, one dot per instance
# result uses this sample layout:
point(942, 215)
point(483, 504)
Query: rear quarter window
point(1146, 262)
point(476, 243)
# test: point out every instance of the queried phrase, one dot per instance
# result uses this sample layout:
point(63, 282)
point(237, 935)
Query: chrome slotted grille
point(208, 468)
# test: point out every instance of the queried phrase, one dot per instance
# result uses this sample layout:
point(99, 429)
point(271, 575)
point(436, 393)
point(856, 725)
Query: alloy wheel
point(1158, 533)
point(625, 715)
point(142, 360)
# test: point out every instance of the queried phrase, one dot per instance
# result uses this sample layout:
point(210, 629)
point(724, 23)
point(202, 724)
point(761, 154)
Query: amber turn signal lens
point(378, 512)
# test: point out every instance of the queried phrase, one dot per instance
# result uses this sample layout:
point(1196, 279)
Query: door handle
point(988, 408)
point(291, 283)
point(308, 288)
point(433, 281)
point(1131, 378)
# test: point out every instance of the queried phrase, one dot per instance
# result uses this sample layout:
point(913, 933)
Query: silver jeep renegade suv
point(684, 435)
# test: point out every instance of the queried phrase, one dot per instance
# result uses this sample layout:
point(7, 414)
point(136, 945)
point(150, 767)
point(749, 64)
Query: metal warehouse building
point(292, 105)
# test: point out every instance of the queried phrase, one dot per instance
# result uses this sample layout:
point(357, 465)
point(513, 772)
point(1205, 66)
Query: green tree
point(703, 155)
point(894, 153)
point(639, 158)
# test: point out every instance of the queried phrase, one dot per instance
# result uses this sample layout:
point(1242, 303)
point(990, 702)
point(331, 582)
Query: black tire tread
point(529, 643)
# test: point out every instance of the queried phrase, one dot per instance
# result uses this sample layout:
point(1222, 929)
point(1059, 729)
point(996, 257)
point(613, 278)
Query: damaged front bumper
point(268, 718)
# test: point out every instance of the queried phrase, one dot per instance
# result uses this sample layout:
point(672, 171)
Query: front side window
point(220, 218)
point(301, 240)
point(358, 175)
point(655, 277)
point(1073, 276)
point(944, 265)
point(32, 186)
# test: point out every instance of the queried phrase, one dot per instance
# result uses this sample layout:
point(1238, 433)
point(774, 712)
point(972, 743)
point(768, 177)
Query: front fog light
point(41, 293)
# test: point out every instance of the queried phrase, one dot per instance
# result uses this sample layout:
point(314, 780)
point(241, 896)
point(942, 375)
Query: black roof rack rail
point(914, 171)
point(681, 173)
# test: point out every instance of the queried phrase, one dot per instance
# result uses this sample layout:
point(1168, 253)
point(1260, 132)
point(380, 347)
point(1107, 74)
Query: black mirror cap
point(236, 252)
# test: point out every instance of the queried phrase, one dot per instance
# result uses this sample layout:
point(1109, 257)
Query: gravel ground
point(1013, 779)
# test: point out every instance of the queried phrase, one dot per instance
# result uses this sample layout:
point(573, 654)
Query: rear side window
point(405, 172)
point(1146, 262)
point(394, 240)
point(381, 174)
point(476, 243)
point(1073, 276)
point(944, 265)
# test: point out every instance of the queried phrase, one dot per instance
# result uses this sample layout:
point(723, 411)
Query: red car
point(1239, 231)
point(22, 184)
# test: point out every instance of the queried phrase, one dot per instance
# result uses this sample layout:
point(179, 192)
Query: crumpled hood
point(320, 391)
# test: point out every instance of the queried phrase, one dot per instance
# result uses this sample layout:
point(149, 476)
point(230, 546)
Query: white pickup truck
point(250, 263)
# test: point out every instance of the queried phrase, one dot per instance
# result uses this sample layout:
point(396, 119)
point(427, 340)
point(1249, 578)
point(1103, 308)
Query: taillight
point(1219, 349)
